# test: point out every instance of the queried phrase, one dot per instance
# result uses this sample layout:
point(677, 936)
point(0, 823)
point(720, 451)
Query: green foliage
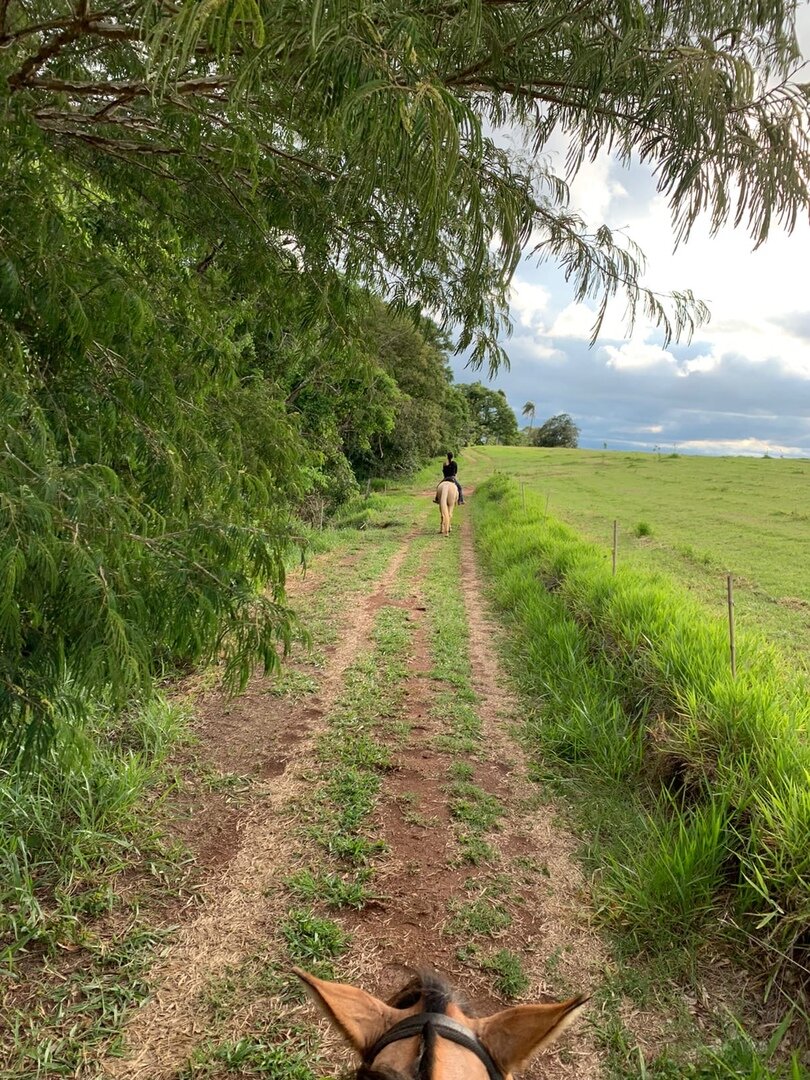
point(634, 681)
point(312, 939)
point(557, 431)
point(492, 419)
point(65, 827)
point(196, 203)
point(429, 414)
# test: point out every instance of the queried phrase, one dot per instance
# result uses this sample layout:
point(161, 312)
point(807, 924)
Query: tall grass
point(634, 684)
point(76, 817)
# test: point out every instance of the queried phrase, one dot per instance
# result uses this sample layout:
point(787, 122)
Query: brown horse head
point(422, 1033)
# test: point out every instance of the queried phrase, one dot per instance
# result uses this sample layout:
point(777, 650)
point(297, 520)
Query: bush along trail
point(398, 796)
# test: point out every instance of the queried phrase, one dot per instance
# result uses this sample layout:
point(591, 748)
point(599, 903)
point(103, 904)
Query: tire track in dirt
point(417, 878)
point(553, 924)
point(238, 915)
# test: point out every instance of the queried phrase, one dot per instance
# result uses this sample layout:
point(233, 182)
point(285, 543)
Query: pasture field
point(692, 518)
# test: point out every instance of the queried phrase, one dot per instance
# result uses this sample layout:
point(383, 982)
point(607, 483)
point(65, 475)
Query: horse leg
point(445, 513)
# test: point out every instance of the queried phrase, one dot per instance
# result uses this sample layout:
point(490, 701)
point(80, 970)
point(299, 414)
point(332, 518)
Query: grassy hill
point(692, 518)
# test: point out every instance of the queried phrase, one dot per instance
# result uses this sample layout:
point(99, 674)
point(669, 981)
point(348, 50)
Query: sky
point(742, 386)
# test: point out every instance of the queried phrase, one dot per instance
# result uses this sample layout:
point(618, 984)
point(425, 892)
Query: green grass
point(251, 1057)
point(312, 939)
point(67, 828)
point(706, 516)
point(508, 974)
point(482, 916)
point(475, 850)
point(67, 832)
point(734, 1055)
point(476, 809)
point(351, 750)
point(710, 812)
point(72, 1018)
point(332, 889)
point(668, 876)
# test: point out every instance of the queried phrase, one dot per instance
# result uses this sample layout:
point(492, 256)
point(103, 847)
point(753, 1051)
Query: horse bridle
point(443, 1025)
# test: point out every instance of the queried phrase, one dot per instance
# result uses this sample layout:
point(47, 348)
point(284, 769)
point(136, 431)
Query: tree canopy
point(199, 205)
point(491, 417)
point(428, 414)
point(355, 134)
point(557, 431)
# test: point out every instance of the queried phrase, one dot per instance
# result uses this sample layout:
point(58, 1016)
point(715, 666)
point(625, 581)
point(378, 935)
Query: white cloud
point(577, 320)
point(528, 301)
point(636, 354)
point(702, 364)
point(744, 447)
point(747, 377)
point(531, 348)
point(595, 188)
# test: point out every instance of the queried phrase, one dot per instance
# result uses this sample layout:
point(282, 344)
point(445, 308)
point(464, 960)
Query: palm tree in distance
point(529, 410)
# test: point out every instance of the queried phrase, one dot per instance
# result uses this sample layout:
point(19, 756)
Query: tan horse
point(423, 1032)
point(448, 497)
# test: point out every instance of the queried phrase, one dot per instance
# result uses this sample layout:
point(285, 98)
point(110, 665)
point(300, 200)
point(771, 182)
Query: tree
point(529, 410)
point(492, 420)
point(557, 431)
point(197, 202)
point(428, 414)
point(343, 134)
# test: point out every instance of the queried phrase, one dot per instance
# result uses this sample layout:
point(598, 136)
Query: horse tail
point(444, 507)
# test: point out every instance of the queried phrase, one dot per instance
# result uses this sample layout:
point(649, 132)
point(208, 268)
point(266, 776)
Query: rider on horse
point(450, 471)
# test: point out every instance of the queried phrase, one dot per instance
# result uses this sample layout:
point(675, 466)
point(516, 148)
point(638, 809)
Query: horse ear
point(514, 1035)
point(361, 1018)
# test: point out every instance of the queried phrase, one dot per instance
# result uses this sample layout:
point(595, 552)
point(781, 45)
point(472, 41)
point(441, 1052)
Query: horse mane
point(436, 994)
point(427, 984)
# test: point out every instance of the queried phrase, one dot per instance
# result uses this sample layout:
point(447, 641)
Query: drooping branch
point(205, 86)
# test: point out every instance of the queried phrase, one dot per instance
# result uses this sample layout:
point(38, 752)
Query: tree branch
point(204, 86)
point(119, 145)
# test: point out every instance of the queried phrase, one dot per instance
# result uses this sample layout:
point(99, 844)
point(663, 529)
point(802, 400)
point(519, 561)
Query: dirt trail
point(422, 879)
point(238, 915)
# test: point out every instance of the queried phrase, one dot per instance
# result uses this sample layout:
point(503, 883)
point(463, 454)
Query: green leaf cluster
point(197, 203)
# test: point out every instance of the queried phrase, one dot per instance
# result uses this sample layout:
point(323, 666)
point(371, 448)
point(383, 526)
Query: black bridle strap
point(443, 1025)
